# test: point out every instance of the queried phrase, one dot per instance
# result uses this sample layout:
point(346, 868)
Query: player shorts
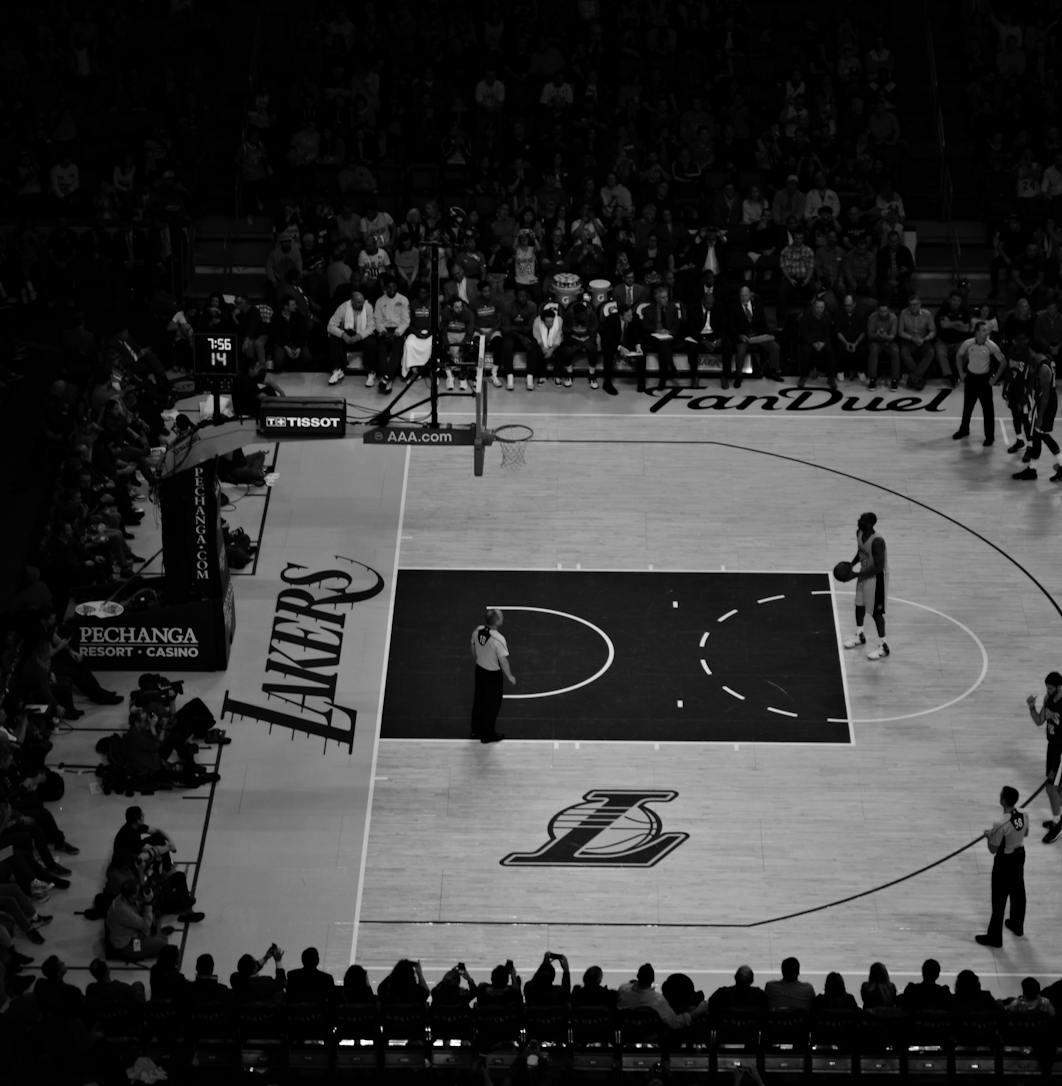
point(872, 593)
point(1054, 757)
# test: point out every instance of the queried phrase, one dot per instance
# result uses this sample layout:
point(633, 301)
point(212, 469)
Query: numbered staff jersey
point(490, 648)
point(1008, 835)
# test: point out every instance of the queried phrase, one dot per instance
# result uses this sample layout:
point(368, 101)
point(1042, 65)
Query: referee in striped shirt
point(974, 362)
point(491, 655)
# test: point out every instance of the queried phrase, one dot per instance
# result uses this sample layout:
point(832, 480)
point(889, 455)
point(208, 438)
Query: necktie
point(748, 312)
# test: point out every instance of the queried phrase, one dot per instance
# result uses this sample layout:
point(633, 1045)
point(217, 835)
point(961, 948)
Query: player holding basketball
point(491, 655)
point(871, 567)
point(1049, 716)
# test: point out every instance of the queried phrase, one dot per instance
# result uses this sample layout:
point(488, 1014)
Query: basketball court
point(694, 769)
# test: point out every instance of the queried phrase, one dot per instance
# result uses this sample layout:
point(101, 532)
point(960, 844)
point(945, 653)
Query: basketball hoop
point(513, 440)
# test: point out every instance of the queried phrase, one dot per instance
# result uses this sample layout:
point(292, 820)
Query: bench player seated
point(458, 327)
point(579, 337)
point(486, 322)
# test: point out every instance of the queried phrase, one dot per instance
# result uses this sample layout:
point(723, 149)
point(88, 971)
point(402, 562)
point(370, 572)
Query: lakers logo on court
point(611, 827)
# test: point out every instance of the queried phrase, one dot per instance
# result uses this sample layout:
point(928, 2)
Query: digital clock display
point(216, 355)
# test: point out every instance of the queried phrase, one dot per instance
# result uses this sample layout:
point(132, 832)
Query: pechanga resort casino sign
point(303, 659)
point(802, 399)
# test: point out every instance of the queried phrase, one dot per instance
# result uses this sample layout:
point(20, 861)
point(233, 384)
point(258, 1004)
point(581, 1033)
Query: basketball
point(843, 571)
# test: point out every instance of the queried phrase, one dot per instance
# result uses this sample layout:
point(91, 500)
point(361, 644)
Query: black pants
point(808, 358)
point(977, 388)
point(486, 702)
point(1008, 881)
point(1040, 438)
point(508, 345)
point(388, 356)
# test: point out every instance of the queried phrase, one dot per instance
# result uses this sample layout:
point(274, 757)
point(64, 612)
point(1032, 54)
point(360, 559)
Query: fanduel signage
point(305, 649)
point(801, 399)
point(294, 416)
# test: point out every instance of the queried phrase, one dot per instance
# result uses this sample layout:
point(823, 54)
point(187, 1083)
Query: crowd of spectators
point(546, 1015)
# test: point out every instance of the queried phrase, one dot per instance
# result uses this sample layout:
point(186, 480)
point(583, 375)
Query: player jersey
point(1035, 394)
point(420, 318)
point(866, 554)
point(487, 316)
point(1053, 718)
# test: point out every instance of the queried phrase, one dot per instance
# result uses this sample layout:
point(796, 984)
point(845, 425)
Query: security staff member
point(491, 655)
point(1049, 717)
point(1006, 842)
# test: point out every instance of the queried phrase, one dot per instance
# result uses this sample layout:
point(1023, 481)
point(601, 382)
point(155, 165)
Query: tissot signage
point(302, 665)
point(610, 827)
point(303, 417)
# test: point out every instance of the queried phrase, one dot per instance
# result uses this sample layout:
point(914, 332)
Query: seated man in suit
point(705, 331)
point(742, 996)
point(661, 324)
point(747, 330)
point(789, 993)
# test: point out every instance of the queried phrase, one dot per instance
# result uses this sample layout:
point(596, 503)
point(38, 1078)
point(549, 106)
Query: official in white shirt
point(491, 656)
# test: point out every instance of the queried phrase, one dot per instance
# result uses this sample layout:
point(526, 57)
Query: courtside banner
point(193, 550)
point(182, 637)
point(400, 433)
point(290, 416)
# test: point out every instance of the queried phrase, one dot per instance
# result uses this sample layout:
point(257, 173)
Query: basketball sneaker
point(370, 379)
point(1056, 475)
point(449, 382)
point(1025, 474)
point(1019, 444)
point(495, 380)
point(879, 653)
point(1052, 834)
point(509, 384)
point(530, 382)
point(336, 376)
point(856, 640)
point(463, 385)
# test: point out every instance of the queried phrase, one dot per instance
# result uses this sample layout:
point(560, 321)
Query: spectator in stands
point(593, 992)
point(815, 337)
point(503, 989)
point(355, 987)
point(542, 989)
point(850, 332)
point(490, 94)
point(64, 182)
point(917, 332)
point(205, 990)
point(373, 266)
point(741, 996)
point(641, 992)
point(289, 339)
point(1047, 329)
point(790, 992)
point(1008, 244)
point(248, 985)
point(310, 984)
point(351, 330)
point(859, 269)
point(796, 264)
point(789, 202)
point(284, 256)
point(615, 196)
point(1028, 275)
point(883, 327)
point(953, 324)
point(405, 984)
point(928, 993)
point(133, 933)
point(378, 224)
point(895, 268)
point(971, 997)
point(821, 195)
point(834, 996)
point(829, 274)
point(252, 330)
point(167, 981)
point(105, 995)
point(391, 319)
point(1031, 1001)
point(456, 989)
point(407, 264)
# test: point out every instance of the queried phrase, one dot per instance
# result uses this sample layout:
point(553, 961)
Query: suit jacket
point(310, 986)
point(697, 313)
point(639, 292)
point(739, 324)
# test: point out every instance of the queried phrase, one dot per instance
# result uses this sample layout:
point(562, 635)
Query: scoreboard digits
point(216, 355)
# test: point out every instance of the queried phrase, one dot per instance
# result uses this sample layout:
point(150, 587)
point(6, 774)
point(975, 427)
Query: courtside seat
point(212, 1029)
point(928, 1043)
point(404, 1035)
point(549, 1025)
point(784, 1045)
point(310, 1039)
point(881, 1043)
point(452, 1031)
point(640, 1045)
point(833, 1047)
point(262, 1038)
point(736, 1039)
point(357, 1037)
point(1027, 1045)
point(593, 1038)
point(975, 1044)
point(689, 1050)
point(499, 1034)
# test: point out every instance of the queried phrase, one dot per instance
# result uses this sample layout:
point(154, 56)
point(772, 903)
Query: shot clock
point(216, 355)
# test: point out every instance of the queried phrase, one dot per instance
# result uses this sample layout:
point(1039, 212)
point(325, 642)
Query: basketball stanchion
point(482, 434)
